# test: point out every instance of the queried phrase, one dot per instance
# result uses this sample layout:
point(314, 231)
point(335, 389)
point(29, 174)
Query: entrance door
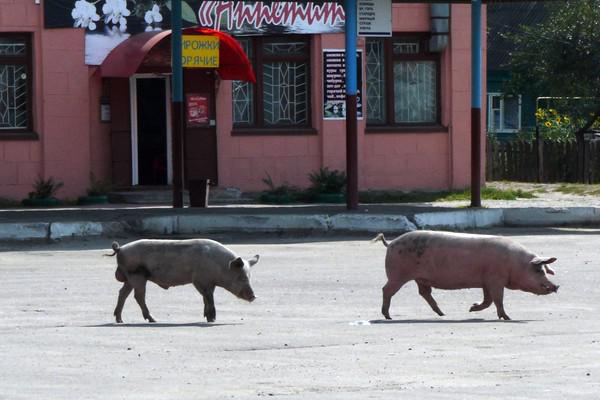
point(151, 131)
point(200, 139)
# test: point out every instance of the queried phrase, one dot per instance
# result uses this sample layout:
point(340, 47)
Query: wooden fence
point(550, 162)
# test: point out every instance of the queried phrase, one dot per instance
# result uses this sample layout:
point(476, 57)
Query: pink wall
point(386, 161)
point(72, 142)
point(21, 161)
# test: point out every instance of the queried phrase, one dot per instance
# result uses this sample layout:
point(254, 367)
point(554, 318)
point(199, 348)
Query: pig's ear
point(549, 270)
point(237, 263)
point(253, 260)
point(543, 260)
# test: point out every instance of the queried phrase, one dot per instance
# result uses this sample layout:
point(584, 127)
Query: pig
point(202, 262)
point(446, 260)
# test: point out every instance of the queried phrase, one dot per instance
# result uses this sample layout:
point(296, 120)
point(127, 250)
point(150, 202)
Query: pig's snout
point(247, 294)
point(551, 288)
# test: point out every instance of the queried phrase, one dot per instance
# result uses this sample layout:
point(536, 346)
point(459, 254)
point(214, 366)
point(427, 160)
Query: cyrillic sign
point(199, 51)
point(374, 17)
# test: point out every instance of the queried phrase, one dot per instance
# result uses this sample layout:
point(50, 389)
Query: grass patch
point(430, 197)
point(579, 189)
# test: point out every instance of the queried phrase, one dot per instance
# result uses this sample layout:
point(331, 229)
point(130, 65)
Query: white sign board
point(374, 17)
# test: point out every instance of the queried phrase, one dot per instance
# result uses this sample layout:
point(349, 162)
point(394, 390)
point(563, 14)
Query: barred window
point(280, 98)
point(15, 83)
point(402, 82)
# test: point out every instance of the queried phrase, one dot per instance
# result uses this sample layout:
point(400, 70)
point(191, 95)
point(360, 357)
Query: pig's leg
point(123, 293)
point(139, 286)
point(497, 294)
point(425, 292)
point(487, 301)
point(209, 302)
point(390, 289)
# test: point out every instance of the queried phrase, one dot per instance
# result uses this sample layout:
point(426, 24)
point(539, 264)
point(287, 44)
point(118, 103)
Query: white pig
point(445, 260)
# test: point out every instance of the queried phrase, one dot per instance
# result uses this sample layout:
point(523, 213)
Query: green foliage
point(283, 193)
point(559, 58)
point(579, 189)
point(441, 196)
point(98, 187)
point(45, 188)
point(326, 181)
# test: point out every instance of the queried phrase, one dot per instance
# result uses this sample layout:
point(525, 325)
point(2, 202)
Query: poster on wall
point(198, 110)
point(109, 22)
point(334, 84)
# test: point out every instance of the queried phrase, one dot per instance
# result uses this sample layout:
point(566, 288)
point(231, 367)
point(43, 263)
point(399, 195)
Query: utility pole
point(476, 103)
point(351, 104)
point(177, 102)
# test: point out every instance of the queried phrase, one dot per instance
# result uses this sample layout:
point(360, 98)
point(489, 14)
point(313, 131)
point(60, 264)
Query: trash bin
point(198, 189)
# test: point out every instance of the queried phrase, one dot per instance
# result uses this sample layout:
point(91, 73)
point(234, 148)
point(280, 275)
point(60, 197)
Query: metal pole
point(177, 99)
point(351, 100)
point(476, 87)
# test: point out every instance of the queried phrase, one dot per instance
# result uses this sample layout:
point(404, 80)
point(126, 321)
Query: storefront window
point(15, 83)
point(413, 98)
point(280, 97)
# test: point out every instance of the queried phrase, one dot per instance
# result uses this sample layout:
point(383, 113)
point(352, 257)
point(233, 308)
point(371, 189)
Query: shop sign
point(374, 17)
point(198, 110)
point(334, 84)
point(199, 51)
point(109, 22)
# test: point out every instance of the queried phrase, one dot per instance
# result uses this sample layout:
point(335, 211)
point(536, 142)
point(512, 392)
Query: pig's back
point(173, 262)
point(448, 260)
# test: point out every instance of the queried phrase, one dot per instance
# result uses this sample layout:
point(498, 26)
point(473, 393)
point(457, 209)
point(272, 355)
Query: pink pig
point(445, 260)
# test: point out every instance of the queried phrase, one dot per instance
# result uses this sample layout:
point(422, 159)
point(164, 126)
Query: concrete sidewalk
point(121, 219)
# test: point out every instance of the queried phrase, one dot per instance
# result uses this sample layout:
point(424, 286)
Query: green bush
point(326, 181)
point(45, 188)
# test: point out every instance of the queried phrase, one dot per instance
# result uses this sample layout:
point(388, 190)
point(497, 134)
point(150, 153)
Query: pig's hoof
point(150, 319)
point(119, 321)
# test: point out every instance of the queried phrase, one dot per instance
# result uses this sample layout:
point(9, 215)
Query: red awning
point(125, 59)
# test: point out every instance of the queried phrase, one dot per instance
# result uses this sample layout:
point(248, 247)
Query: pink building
point(414, 133)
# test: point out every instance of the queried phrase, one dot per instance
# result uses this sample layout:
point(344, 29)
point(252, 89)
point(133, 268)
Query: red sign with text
point(198, 111)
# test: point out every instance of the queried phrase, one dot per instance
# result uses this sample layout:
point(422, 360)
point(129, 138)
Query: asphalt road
point(314, 332)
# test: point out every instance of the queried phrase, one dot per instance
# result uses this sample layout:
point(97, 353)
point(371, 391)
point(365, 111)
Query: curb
point(301, 223)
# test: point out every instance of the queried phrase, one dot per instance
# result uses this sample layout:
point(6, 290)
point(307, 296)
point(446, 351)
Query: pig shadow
point(446, 321)
point(158, 325)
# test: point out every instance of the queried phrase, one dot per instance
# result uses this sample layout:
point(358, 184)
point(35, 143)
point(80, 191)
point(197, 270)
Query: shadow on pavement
point(446, 321)
point(158, 325)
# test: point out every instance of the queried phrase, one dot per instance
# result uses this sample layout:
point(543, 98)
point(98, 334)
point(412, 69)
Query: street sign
point(199, 51)
point(374, 17)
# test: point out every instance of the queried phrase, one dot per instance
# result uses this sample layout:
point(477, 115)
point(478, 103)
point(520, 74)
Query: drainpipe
point(440, 26)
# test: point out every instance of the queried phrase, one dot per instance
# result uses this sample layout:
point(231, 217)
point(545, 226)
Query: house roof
point(505, 18)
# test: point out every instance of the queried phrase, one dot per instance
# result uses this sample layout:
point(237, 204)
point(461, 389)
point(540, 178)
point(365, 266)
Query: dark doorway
point(151, 131)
